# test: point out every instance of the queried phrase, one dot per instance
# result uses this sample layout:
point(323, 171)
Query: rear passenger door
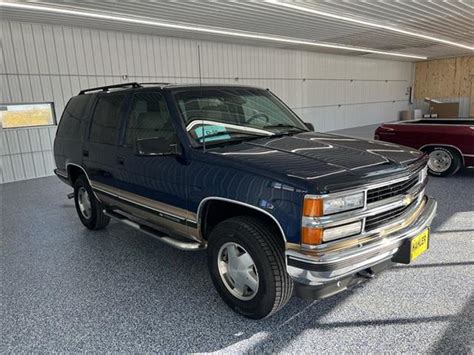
point(152, 187)
point(99, 149)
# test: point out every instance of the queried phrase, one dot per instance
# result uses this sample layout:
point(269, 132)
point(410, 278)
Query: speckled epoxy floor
point(64, 288)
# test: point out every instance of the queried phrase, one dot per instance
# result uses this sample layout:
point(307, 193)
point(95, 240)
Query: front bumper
point(318, 274)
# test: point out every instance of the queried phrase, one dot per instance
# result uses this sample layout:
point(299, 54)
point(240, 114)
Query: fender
point(207, 199)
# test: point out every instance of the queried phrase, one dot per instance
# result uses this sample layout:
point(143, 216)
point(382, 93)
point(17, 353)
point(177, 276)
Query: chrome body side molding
point(177, 220)
point(162, 209)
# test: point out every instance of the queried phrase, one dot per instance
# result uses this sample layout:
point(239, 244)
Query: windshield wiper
point(243, 136)
point(281, 125)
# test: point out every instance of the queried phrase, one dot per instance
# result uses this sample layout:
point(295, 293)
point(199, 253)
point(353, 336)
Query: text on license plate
point(419, 244)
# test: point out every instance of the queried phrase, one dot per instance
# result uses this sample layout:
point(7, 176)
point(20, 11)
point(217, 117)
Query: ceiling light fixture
point(208, 30)
point(366, 23)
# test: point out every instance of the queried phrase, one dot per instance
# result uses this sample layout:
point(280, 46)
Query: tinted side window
point(73, 115)
point(149, 118)
point(106, 119)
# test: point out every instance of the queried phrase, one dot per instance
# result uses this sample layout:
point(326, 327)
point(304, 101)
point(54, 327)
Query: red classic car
point(449, 142)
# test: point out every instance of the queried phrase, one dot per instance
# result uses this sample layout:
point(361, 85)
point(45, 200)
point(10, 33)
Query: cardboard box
point(445, 110)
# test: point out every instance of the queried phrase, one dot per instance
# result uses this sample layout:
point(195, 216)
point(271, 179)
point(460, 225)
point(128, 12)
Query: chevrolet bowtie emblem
point(407, 199)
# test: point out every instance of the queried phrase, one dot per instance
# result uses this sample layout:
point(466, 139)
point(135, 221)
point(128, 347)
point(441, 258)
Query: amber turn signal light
point(313, 207)
point(311, 236)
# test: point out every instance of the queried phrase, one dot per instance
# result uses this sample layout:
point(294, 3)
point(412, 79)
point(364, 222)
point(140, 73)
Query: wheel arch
point(442, 145)
point(205, 221)
point(74, 171)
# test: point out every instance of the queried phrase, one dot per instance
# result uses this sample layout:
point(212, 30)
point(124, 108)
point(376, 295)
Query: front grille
point(381, 193)
point(379, 219)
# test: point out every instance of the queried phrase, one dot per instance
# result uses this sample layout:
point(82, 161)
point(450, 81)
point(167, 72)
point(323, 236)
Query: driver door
point(152, 187)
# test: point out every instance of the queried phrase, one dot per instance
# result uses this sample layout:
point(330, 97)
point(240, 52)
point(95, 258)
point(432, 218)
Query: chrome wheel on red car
point(443, 162)
point(440, 161)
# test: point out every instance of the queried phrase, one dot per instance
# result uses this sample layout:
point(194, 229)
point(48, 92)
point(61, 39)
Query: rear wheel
point(88, 207)
point(443, 161)
point(247, 267)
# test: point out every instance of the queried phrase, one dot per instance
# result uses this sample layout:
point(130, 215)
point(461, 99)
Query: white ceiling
point(449, 20)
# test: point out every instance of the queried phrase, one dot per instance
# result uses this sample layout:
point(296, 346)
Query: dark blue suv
point(233, 170)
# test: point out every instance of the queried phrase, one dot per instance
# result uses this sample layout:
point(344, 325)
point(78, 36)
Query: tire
point(274, 285)
point(93, 217)
point(443, 161)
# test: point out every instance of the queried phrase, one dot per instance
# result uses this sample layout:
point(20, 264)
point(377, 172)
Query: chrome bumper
point(322, 267)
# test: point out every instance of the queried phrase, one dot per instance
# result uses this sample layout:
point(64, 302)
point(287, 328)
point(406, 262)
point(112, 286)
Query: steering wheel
point(258, 115)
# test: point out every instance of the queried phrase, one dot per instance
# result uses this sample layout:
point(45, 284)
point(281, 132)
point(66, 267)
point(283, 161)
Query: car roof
point(210, 86)
point(134, 86)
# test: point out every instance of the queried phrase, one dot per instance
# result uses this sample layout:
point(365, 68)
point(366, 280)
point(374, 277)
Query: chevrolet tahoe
point(279, 208)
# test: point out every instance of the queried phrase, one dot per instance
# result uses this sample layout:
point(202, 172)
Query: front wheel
point(247, 267)
point(443, 161)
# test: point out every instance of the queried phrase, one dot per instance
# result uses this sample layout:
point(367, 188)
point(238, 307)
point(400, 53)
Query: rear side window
point(105, 120)
point(73, 115)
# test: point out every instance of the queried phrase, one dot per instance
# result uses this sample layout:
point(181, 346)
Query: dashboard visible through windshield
point(219, 115)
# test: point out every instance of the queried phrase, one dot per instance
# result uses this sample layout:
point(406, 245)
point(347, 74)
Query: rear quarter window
point(105, 120)
point(74, 114)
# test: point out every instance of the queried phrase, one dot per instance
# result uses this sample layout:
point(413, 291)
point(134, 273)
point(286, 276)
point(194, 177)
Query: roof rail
point(108, 87)
point(154, 83)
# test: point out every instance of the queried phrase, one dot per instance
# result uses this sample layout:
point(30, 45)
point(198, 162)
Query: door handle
point(120, 160)
point(85, 153)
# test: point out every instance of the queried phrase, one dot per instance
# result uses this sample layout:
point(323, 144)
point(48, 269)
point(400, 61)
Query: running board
point(154, 233)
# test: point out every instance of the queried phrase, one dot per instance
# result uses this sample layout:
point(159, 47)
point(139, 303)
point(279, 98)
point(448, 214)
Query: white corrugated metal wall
point(51, 63)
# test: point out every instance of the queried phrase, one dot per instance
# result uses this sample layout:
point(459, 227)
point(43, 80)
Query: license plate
point(412, 248)
point(419, 244)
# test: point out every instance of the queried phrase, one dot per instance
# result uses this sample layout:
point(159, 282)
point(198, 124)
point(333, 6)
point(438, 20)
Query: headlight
point(342, 231)
point(315, 236)
point(315, 206)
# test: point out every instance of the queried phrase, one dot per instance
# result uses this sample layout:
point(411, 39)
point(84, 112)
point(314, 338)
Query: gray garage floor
point(64, 288)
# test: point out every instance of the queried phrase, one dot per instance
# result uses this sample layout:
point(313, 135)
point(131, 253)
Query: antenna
point(200, 94)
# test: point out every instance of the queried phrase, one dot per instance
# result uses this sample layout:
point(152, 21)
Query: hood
point(324, 160)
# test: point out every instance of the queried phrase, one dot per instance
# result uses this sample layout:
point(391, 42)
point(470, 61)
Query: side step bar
point(190, 246)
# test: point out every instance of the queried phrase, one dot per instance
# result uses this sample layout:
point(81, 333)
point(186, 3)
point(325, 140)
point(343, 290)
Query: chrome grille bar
point(395, 189)
point(384, 217)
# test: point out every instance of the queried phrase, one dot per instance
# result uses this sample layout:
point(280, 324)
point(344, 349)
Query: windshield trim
point(238, 128)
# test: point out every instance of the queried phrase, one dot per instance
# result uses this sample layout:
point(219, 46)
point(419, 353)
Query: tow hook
point(71, 195)
point(366, 274)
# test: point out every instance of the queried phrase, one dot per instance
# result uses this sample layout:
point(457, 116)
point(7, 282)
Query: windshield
point(234, 114)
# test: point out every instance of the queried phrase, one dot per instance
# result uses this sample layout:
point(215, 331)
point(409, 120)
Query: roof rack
point(154, 83)
point(108, 87)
